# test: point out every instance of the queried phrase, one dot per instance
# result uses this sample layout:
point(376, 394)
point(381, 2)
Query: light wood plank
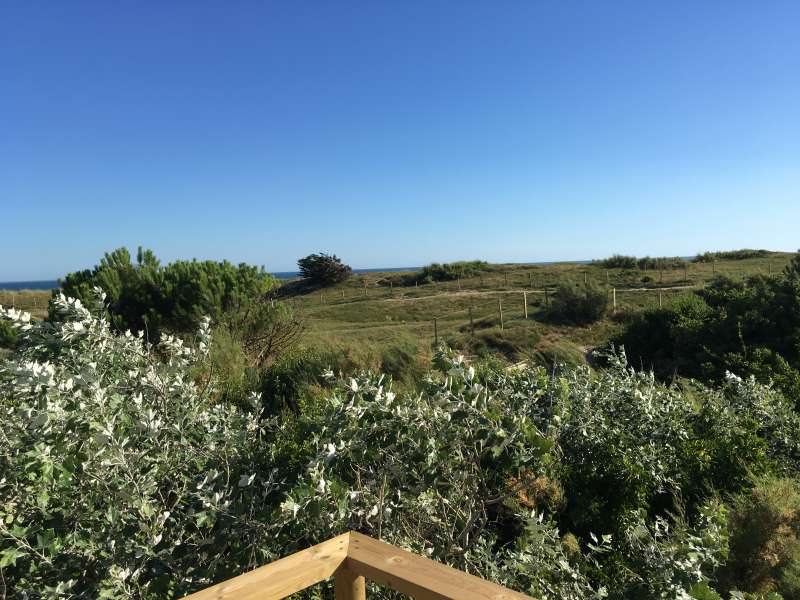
point(283, 577)
point(419, 577)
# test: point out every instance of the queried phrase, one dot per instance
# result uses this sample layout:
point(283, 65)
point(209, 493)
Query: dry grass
point(32, 301)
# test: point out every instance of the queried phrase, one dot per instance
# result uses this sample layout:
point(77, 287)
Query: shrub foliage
point(621, 261)
point(751, 327)
point(444, 272)
point(122, 477)
point(579, 303)
point(147, 296)
point(743, 254)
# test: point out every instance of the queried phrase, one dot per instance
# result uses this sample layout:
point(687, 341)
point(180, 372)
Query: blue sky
point(395, 133)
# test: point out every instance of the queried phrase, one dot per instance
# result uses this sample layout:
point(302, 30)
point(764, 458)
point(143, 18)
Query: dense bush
point(751, 327)
point(444, 272)
point(621, 261)
point(286, 383)
point(9, 336)
point(765, 545)
point(147, 296)
point(124, 475)
point(323, 269)
point(113, 462)
point(578, 303)
point(745, 253)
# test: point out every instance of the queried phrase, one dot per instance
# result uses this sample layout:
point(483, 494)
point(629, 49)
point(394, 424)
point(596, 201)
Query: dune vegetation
point(170, 426)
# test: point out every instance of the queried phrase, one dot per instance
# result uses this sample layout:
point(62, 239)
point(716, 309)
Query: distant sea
point(49, 285)
point(28, 285)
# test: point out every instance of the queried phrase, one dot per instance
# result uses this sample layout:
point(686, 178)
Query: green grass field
point(378, 325)
point(365, 318)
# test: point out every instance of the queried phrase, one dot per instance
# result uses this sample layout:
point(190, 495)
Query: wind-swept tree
point(323, 269)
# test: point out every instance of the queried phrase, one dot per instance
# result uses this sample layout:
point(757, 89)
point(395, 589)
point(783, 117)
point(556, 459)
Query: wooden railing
point(351, 559)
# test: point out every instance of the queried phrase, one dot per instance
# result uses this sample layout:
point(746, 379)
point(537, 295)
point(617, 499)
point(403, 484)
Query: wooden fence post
point(525, 303)
point(471, 321)
point(585, 280)
point(502, 326)
point(435, 332)
point(614, 298)
point(348, 585)
point(365, 287)
point(530, 280)
point(546, 298)
point(659, 299)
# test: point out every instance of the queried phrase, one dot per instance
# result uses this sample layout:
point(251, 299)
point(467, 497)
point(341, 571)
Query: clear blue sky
point(395, 133)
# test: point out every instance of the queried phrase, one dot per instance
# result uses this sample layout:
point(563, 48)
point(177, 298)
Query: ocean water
point(49, 285)
point(28, 285)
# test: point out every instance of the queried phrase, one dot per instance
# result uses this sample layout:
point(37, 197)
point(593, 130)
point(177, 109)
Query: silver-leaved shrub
point(121, 475)
point(118, 476)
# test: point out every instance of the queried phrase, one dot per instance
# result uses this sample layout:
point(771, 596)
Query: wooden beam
point(283, 577)
point(422, 578)
point(349, 585)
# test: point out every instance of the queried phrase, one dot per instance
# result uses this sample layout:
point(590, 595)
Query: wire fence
point(502, 295)
point(479, 309)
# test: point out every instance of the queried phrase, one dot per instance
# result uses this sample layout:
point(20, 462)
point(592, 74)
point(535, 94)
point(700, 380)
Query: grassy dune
point(365, 317)
point(377, 325)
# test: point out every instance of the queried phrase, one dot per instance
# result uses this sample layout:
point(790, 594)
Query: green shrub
point(668, 340)
point(674, 558)
point(444, 272)
point(580, 304)
point(751, 327)
point(146, 296)
point(288, 382)
point(743, 254)
point(620, 261)
point(124, 476)
point(765, 539)
point(9, 335)
point(120, 474)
